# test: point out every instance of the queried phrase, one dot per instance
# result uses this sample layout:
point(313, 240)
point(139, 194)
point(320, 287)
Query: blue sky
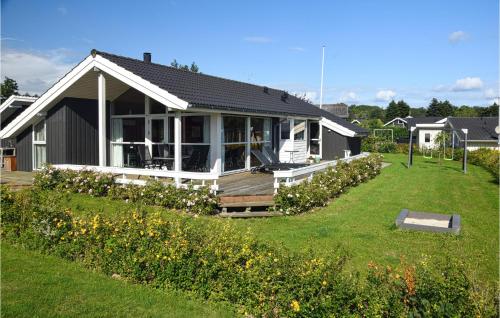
point(375, 50)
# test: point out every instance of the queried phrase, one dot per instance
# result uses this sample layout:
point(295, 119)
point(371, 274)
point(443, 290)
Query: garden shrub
point(217, 262)
point(200, 201)
point(327, 185)
point(486, 158)
point(377, 144)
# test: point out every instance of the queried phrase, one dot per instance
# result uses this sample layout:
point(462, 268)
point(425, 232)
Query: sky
point(375, 51)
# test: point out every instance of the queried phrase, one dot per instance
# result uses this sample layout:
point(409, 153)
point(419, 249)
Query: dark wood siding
point(82, 136)
point(56, 134)
point(24, 150)
point(334, 144)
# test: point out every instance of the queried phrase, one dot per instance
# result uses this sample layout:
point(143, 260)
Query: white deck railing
point(295, 176)
point(179, 176)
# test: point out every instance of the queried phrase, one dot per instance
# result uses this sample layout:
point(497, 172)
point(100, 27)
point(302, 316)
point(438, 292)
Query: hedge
point(200, 201)
point(215, 261)
point(327, 185)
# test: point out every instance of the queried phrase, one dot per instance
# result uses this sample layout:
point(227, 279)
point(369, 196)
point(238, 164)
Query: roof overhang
point(337, 128)
point(14, 102)
point(430, 126)
point(397, 118)
point(92, 63)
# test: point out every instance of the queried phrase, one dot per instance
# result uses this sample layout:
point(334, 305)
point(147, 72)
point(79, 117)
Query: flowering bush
point(486, 158)
point(214, 260)
point(199, 201)
point(327, 185)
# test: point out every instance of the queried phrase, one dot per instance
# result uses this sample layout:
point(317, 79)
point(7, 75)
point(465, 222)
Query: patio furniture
point(275, 160)
point(197, 159)
point(291, 153)
point(268, 166)
point(148, 161)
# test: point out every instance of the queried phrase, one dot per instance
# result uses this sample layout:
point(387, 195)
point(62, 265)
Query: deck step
point(249, 214)
point(246, 204)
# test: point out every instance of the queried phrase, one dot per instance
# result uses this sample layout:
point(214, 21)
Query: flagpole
point(321, 88)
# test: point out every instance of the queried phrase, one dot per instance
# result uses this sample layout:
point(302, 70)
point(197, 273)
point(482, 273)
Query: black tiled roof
point(411, 122)
point(206, 91)
point(480, 128)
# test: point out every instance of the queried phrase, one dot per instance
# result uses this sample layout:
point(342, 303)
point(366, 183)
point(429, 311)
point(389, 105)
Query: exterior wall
point(421, 137)
point(24, 150)
point(297, 145)
point(471, 146)
point(71, 135)
point(334, 144)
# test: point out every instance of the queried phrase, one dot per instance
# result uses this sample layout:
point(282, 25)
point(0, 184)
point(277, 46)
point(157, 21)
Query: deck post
point(215, 143)
point(101, 92)
point(177, 146)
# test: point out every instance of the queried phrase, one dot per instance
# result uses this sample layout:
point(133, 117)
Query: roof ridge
point(198, 74)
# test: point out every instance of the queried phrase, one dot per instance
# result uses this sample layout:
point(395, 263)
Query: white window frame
point(35, 142)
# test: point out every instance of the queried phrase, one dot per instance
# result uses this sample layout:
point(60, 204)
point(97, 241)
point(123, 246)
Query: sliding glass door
point(240, 135)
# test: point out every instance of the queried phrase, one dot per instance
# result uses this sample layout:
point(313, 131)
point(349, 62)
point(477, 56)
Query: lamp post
point(464, 162)
point(410, 147)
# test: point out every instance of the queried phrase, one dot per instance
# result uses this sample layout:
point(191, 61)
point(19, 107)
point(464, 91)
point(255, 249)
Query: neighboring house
point(480, 131)
point(115, 111)
point(340, 110)
point(398, 121)
point(10, 109)
point(427, 129)
point(356, 122)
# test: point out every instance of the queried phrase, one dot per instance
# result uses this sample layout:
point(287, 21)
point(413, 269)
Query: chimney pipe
point(147, 57)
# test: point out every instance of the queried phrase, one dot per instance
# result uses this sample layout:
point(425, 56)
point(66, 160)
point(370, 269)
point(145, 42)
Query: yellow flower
point(323, 283)
point(295, 306)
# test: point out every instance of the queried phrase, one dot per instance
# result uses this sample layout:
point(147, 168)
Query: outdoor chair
point(197, 159)
point(148, 161)
point(275, 160)
point(268, 167)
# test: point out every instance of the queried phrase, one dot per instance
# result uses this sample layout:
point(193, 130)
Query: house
point(356, 122)
point(115, 112)
point(482, 132)
point(10, 109)
point(398, 122)
point(340, 110)
point(427, 129)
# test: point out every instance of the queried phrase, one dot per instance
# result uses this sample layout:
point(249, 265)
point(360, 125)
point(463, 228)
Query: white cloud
point(457, 36)
point(62, 10)
point(35, 71)
point(309, 95)
point(257, 39)
point(467, 84)
point(385, 95)
point(350, 97)
point(297, 49)
point(491, 93)
point(495, 100)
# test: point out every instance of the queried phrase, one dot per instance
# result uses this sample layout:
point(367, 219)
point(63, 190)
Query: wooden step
point(246, 204)
point(246, 198)
point(249, 214)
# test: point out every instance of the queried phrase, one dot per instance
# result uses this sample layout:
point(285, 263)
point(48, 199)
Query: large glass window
point(195, 140)
point(128, 142)
point(156, 107)
point(285, 129)
point(133, 129)
point(260, 136)
point(299, 129)
point(39, 145)
point(234, 143)
point(314, 138)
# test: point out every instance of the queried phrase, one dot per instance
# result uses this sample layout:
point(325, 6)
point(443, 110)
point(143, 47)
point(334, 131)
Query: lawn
point(362, 220)
point(36, 285)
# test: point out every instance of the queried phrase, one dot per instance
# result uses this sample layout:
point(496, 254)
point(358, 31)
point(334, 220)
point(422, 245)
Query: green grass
point(362, 220)
point(36, 285)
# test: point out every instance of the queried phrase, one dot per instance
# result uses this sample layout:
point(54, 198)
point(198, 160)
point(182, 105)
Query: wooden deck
point(246, 183)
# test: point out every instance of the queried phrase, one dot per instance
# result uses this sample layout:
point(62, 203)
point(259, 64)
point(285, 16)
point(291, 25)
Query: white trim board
point(16, 98)
point(397, 118)
point(88, 64)
point(337, 127)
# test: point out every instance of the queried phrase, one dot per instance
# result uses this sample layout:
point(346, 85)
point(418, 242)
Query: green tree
point(403, 109)
point(466, 111)
point(418, 112)
point(392, 111)
point(439, 108)
point(193, 68)
point(8, 88)
point(490, 111)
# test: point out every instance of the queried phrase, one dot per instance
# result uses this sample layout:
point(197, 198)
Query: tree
point(417, 112)
point(392, 111)
point(366, 112)
point(490, 111)
point(9, 87)
point(403, 109)
point(439, 108)
point(193, 68)
point(466, 111)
